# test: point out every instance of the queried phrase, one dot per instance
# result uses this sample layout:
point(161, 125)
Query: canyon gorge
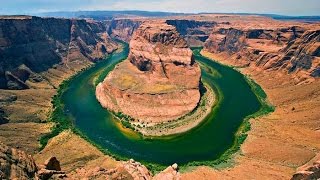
point(38, 54)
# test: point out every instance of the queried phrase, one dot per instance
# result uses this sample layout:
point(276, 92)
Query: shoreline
point(178, 126)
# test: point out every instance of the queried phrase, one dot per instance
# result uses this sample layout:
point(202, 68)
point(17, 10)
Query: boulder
point(52, 164)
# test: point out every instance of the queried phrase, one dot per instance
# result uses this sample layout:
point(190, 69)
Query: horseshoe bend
point(158, 82)
point(160, 95)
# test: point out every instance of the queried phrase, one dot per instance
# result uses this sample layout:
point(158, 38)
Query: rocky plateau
point(158, 82)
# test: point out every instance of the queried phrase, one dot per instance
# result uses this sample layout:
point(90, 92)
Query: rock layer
point(158, 82)
point(309, 172)
point(32, 45)
point(122, 29)
point(16, 164)
point(292, 49)
point(194, 32)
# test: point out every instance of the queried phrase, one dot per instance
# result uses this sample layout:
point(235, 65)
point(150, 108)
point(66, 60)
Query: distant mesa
point(158, 82)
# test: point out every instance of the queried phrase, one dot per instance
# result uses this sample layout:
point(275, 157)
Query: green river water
point(207, 142)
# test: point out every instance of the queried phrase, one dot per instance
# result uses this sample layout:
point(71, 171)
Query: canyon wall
point(32, 45)
point(293, 49)
point(122, 28)
point(193, 31)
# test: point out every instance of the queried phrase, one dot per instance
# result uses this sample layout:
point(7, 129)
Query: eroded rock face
point(32, 45)
point(123, 29)
point(158, 82)
point(194, 32)
point(157, 45)
point(309, 172)
point(292, 49)
point(16, 164)
point(126, 170)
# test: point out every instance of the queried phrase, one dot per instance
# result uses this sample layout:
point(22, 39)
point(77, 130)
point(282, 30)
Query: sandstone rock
point(126, 170)
point(3, 117)
point(44, 174)
point(158, 82)
point(32, 45)
point(175, 166)
point(52, 164)
point(308, 173)
point(292, 49)
point(194, 32)
point(122, 29)
point(8, 98)
point(169, 173)
point(16, 164)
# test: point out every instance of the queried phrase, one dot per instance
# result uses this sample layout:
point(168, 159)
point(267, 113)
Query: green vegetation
point(125, 120)
point(262, 96)
point(61, 121)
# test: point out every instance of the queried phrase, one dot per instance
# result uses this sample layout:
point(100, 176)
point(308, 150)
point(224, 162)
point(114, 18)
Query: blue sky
point(284, 7)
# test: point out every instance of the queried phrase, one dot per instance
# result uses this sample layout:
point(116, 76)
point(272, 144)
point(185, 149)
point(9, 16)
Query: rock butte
point(158, 82)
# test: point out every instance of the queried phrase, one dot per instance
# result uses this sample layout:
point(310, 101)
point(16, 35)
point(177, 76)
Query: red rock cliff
point(31, 45)
point(158, 82)
point(293, 49)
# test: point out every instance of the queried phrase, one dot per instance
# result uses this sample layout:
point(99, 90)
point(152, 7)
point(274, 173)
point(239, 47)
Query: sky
point(282, 7)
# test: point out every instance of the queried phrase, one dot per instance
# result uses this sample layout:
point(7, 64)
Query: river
point(208, 141)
